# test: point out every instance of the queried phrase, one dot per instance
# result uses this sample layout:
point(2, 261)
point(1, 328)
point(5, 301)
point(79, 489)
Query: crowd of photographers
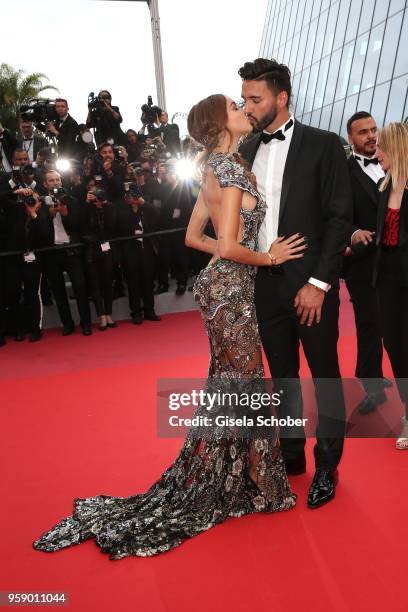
point(76, 201)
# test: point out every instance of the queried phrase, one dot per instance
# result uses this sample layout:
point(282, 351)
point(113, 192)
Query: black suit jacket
point(68, 132)
point(315, 200)
point(365, 208)
point(402, 236)
point(8, 144)
point(39, 142)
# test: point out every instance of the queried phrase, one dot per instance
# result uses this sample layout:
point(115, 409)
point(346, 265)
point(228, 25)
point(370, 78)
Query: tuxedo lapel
point(290, 165)
point(368, 184)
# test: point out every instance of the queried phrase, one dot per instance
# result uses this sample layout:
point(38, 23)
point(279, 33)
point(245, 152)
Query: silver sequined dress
point(209, 481)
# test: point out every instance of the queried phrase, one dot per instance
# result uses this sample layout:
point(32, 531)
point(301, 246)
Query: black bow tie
point(279, 135)
point(367, 161)
point(28, 139)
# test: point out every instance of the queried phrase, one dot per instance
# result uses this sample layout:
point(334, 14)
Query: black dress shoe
point(323, 487)
point(68, 329)
point(151, 316)
point(181, 289)
point(2, 340)
point(36, 335)
point(86, 329)
point(387, 384)
point(19, 336)
point(137, 319)
point(371, 401)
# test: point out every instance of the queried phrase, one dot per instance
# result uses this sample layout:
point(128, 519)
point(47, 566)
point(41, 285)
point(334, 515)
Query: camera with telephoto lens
point(59, 194)
point(39, 111)
point(150, 114)
point(100, 195)
point(29, 200)
point(120, 153)
point(95, 104)
point(132, 190)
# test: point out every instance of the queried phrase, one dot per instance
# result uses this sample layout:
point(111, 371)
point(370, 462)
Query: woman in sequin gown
point(223, 474)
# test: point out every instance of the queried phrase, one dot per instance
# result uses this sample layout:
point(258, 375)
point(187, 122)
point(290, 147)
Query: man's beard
point(266, 120)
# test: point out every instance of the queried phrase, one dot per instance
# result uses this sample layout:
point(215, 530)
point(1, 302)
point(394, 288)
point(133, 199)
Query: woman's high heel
point(402, 442)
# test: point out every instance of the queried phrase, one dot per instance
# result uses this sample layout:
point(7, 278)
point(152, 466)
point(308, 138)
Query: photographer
point(150, 118)
point(111, 171)
point(105, 118)
point(13, 180)
point(26, 225)
point(65, 129)
point(85, 142)
point(30, 142)
point(137, 254)
point(7, 145)
point(170, 134)
point(98, 224)
point(134, 145)
point(64, 228)
point(175, 212)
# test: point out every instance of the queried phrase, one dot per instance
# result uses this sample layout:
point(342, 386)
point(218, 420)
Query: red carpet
point(79, 418)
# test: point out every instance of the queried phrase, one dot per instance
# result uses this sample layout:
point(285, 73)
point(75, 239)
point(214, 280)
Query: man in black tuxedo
point(65, 129)
point(365, 172)
point(30, 142)
point(169, 133)
point(8, 143)
point(302, 173)
point(63, 229)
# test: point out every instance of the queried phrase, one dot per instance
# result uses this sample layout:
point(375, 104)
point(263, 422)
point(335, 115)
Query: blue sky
point(88, 45)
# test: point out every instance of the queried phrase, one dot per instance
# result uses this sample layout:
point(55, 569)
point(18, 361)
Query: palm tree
point(17, 88)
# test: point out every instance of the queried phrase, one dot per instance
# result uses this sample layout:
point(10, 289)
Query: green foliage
point(17, 88)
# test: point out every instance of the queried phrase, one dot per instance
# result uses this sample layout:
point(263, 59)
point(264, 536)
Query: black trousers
point(25, 315)
point(55, 263)
point(138, 266)
point(100, 275)
point(369, 339)
point(393, 302)
point(173, 254)
point(281, 335)
point(3, 323)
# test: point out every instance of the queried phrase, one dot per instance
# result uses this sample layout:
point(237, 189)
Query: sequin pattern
point(209, 480)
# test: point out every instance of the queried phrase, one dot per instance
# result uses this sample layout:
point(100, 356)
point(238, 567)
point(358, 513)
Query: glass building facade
point(344, 56)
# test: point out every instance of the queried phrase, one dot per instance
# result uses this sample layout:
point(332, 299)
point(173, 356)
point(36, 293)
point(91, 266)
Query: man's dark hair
point(46, 153)
point(105, 144)
point(17, 151)
point(61, 100)
point(356, 117)
point(277, 76)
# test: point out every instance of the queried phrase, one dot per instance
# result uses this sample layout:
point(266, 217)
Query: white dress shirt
point(374, 171)
point(60, 235)
point(268, 167)
point(28, 146)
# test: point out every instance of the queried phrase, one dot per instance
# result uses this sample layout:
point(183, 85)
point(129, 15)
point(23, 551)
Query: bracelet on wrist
point(272, 258)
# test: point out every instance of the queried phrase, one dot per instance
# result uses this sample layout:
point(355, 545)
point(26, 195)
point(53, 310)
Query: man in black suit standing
point(30, 142)
point(169, 133)
point(302, 174)
point(65, 129)
point(365, 172)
